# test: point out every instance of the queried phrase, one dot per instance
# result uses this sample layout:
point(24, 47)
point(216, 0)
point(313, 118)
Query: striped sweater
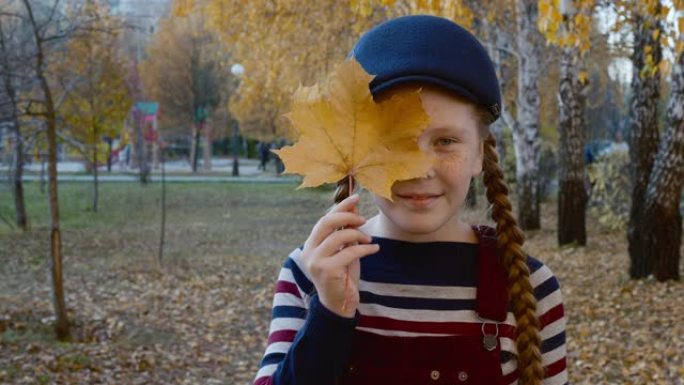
point(406, 289)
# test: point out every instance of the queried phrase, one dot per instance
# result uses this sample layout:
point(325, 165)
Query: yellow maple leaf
point(583, 77)
point(343, 132)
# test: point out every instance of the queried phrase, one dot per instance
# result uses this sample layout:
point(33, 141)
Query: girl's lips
point(420, 200)
point(419, 196)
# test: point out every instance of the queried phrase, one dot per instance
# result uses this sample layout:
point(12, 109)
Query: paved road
point(222, 165)
point(169, 178)
point(221, 170)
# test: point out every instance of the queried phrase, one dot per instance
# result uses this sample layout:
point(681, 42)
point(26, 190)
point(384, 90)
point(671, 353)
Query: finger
point(331, 223)
point(347, 204)
point(339, 239)
point(350, 254)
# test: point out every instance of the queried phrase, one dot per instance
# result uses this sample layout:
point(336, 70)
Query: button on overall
point(462, 376)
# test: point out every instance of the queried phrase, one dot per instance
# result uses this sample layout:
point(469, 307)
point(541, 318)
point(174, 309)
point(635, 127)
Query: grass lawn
point(202, 318)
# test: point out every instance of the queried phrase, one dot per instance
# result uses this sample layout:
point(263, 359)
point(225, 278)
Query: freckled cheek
point(451, 163)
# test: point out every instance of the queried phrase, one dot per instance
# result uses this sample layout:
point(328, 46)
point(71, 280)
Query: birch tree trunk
point(572, 196)
point(662, 229)
point(644, 137)
point(526, 132)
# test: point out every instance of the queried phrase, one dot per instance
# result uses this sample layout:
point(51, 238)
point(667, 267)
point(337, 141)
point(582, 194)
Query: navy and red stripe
point(406, 290)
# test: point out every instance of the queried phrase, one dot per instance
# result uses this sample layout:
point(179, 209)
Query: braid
point(509, 241)
point(342, 190)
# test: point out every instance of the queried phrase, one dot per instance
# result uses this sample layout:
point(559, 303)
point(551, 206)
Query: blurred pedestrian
point(264, 155)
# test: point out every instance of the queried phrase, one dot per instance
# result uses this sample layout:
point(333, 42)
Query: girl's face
point(428, 208)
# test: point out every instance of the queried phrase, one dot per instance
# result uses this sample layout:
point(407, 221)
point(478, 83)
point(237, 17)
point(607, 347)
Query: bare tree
point(48, 28)
point(10, 58)
point(40, 41)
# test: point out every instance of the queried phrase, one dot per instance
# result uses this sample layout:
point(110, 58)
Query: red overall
point(463, 359)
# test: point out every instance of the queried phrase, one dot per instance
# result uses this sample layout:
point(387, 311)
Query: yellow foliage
point(280, 44)
point(99, 100)
point(647, 7)
point(549, 20)
point(583, 76)
point(669, 34)
point(575, 32)
point(182, 8)
point(458, 12)
point(664, 11)
point(664, 67)
point(455, 10)
point(679, 45)
point(361, 7)
point(342, 132)
point(184, 69)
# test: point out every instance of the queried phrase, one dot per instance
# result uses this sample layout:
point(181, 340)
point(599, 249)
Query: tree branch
point(508, 51)
point(49, 18)
point(508, 118)
point(80, 147)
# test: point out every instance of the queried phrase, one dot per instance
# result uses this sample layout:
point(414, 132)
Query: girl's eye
point(445, 141)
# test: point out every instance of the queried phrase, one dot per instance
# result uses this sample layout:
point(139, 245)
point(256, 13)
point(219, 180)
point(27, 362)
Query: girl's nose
point(431, 173)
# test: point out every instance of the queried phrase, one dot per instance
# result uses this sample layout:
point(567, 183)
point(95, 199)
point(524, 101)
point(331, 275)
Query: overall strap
point(492, 292)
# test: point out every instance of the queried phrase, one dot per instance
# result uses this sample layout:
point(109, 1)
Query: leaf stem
point(346, 276)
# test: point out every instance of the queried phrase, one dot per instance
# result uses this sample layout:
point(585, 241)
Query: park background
point(143, 221)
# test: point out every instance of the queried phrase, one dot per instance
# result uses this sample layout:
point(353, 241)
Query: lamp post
point(237, 70)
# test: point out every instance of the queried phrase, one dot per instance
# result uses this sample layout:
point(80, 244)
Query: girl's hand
point(331, 255)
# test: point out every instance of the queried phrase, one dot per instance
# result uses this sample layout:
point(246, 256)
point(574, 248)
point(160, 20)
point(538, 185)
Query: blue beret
point(432, 50)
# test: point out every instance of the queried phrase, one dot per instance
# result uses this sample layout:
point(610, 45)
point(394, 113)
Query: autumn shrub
point(611, 187)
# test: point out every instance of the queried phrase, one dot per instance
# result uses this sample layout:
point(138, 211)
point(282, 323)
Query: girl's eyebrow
point(448, 129)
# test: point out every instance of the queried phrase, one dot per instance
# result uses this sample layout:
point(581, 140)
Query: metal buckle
point(489, 341)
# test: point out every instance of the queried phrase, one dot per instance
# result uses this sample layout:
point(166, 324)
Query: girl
point(414, 295)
